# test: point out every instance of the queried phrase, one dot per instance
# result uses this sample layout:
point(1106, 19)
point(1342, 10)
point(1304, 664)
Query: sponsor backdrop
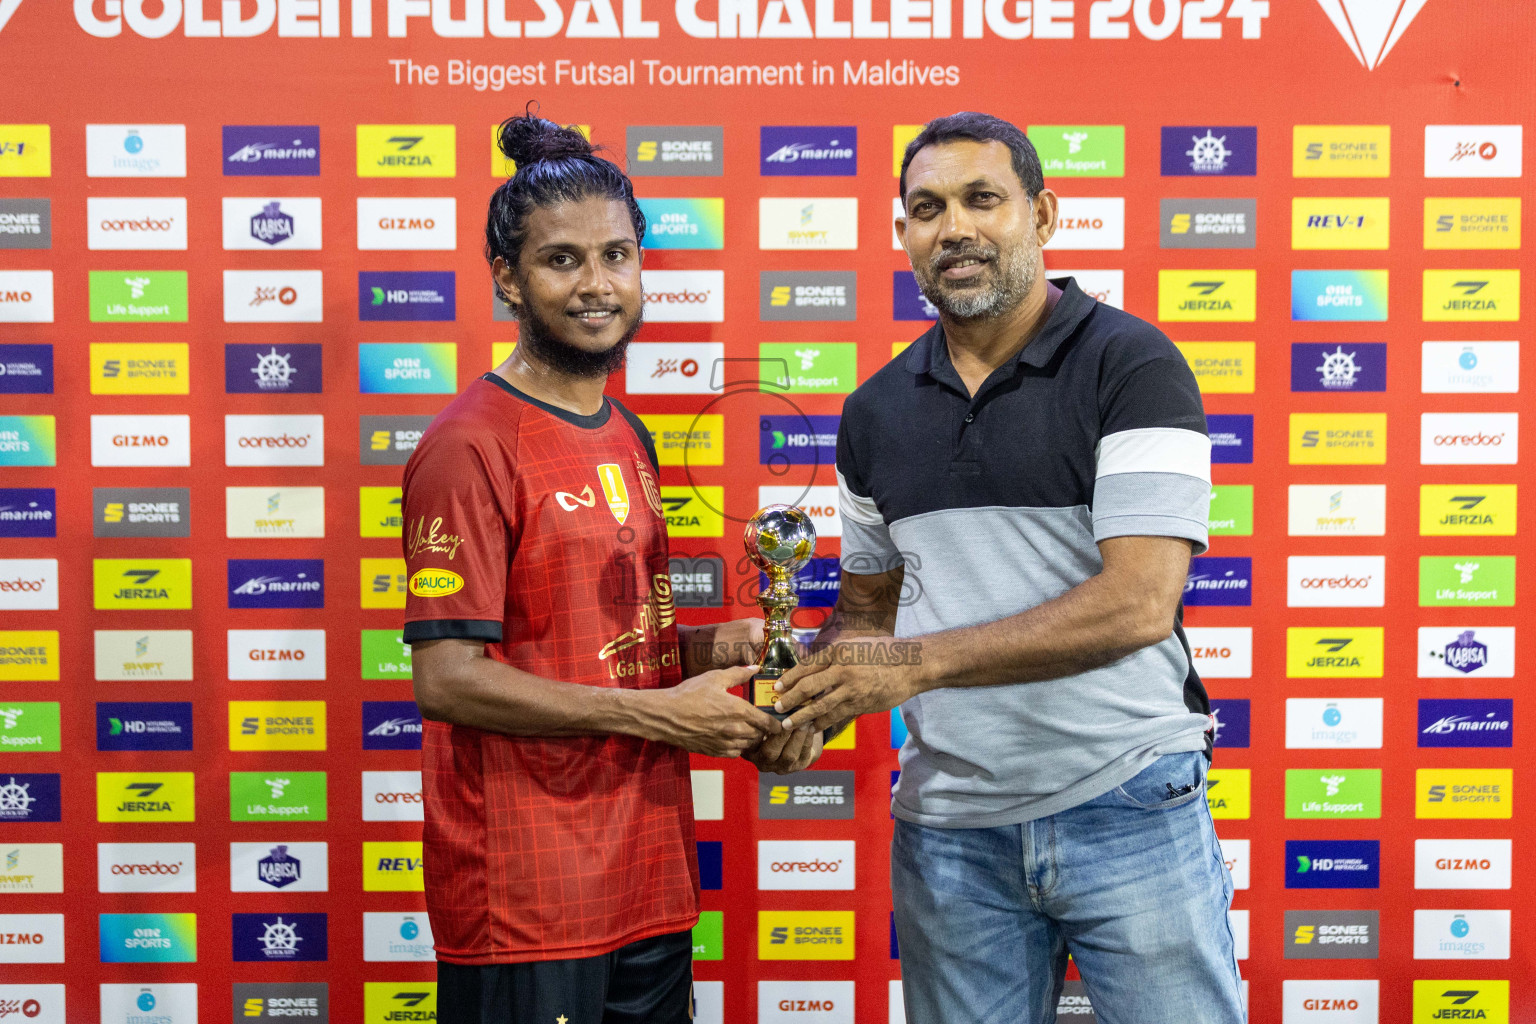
point(243, 269)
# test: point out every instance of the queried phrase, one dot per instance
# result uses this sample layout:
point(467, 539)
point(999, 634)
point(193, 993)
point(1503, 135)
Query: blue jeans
point(1131, 883)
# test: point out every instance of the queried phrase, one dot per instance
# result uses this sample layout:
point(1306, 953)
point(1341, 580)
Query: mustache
point(943, 260)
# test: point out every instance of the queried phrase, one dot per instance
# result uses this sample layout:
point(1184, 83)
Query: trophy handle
point(778, 601)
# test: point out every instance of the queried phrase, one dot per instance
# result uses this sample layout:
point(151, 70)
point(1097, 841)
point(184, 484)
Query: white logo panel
point(397, 937)
point(26, 296)
point(811, 222)
point(146, 867)
point(392, 796)
point(172, 1004)
point(684, 296)
point(37, 1004)
point(1470, 367)
point(1221, 652)
point(29, 584)
point(273, 296)
point(261, 654)
point(805, 864)
point(1461, 934)
point(820, 503)
point(136, 151)
point(805, 1002)
point(274, 512)
point(1463, 863)
point(675, 368)
point(1342, 724)
point(278, 867)
point(1235, 852)
point(1469, 439)
point(1337, 510)
point(1330, 1001)
point(1473, 150)
point(266, 224)
point(1352, 581)
point(117, 223)
point(1089, 223)
point(399, 223)
point(1456, 652)
point(274, 440)
point(32, 938)
point(31, 867)
point(141, 440)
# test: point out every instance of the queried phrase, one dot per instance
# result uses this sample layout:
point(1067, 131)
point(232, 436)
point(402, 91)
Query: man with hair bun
point(560, 696)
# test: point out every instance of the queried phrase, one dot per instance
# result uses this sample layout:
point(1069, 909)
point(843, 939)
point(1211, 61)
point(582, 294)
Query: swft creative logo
point(129, 654)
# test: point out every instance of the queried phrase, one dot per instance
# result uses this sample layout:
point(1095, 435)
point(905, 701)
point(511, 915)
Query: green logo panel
point(277, 796)
point(1080, 150)
point(29, 726)
point(809, 368)
point(1231, 510)
point(709, 936)
point(385, 655)
point(138, 296)
point(1477, 581)
point(1333, 793)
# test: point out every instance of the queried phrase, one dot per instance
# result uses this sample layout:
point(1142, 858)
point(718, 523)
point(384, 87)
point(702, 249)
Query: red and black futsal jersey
point(540, 532)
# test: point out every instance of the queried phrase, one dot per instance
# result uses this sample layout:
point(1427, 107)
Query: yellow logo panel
point(687, 440)
point(26, 151)
point(145, 796)
point(1221, 367)
point(406, 151)
point(1228, 792)
point(1472, 295)
point(1435, 1002)
point(1341, 222)
point(1464, 793)
point(845, 740)
point(805, 935)
point(901, 135)
point(1341, 151)
point(1315, 652)
point(277, 725)
point(503, 166)
point(691, 511)
point(379, 512)
point(1467, 510)
point(145, 369)
point(500, 350)
point(436, 583)
point(1217, 296)
point(142, 583)
point(383, 582)
point(1492, 223)
point(392, 867)
point(29, 655)
point(1338, 439)
point(391, 1002)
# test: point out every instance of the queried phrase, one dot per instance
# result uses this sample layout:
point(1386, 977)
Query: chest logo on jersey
point(655, 614)
point(615, 490)
point(569, 501)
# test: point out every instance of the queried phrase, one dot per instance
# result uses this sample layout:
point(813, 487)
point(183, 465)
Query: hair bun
point(528, 139)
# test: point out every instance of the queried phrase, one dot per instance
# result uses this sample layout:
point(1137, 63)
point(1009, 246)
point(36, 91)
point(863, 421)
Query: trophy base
point(763, 695)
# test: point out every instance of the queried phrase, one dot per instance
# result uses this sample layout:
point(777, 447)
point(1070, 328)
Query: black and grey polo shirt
point(995, 504)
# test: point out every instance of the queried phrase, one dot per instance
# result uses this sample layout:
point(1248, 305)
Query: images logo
point(27, 512)
point(1338, 295)
point(291, 150)
point(279, 938)
point(274, 511)
point(1486, 722)
point(406, 151)
point(419, 295)
point(825, 368)
point(804, 151)
point(1459, 367)
point(1341, 151)
point(136, 150)
point(675, 150)
point(1471, 295)
point(273, 296)
point(1467, 510)
point(1210, 151)
point(144, 796)
point(1358, 367)
point(1453, 652)
point(1485, 581)
point(684, 223)
point(277, 725)
point(26, 296)
point(142, 583)
point(1343, 723)
point(1338, 438)
point(805, 935)
point(1080, 150)
point(391, 725)
point(138, 296)
point(1461, 934)
point(1464, 793)
point(1343, 651)
point(1208, 223)
point(1207, 295)
point(1333, 864)
point(395, 936)
point(146, 726)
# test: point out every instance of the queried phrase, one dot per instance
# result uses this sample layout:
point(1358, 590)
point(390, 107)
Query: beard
point(560, 355)
point(1012, 275)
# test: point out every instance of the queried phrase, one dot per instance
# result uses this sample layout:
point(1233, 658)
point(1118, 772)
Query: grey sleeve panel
point(1152, 505)
point(868, 550)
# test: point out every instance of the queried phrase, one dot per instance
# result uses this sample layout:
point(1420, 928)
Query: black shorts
point(645, 982)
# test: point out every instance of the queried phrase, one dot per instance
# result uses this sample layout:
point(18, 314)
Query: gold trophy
point(779, 539)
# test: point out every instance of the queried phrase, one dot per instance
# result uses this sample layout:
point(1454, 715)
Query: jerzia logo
point(1371, 27)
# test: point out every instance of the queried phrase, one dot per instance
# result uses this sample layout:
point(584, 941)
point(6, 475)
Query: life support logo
point(436, 583)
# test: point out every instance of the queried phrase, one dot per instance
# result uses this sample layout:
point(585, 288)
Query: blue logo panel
point(273, 150)
point(809, 150)
point(272, 369)
point(907, 300)
point(276, 583)
point(1219, 581)
point(280, 938)
point(1337, 367)
point(1486, 722)
point(144, 726)
point(405, 295)
point(817, 584)
point(1231, 438)
point(1202, 151)
point(391, 725)
point(1232, 717)
point(711, 865)
point(28, 797)
point(1332, 864)
point(28, 512)
point(26, 369)
point(797, 440)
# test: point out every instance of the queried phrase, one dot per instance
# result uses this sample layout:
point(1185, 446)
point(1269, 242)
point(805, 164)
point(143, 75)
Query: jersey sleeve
point(867, 545)
point(1153, 460)
point(457, 518)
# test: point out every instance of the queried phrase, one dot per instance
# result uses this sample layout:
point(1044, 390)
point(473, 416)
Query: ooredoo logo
point(684, 296)
point(122, 223)
point(274, 440)
point(1488, 438)
point(797, 864)
point(1336, 582)
point(146, 867)
point(392, 796)
point(29, 584)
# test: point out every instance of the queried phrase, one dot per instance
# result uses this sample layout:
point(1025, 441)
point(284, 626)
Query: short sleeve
point(867, 545)
point(455, 542)
point(1153, 460)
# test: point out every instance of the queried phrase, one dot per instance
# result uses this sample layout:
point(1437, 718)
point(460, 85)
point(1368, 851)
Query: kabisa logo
point(269, 370)
point(1370, 28)
point(1322, 367)
point(25, 369)
point(798, 151)
point(1466, 722)
point(391, 725)
point(276, 583)
point(1353, 651)
point(271, 150)
point(406, 151)
point(420, 295)
point(1219, 581)
point(1464, 654)
point(677, 150)
point(27, 512)
point(1206, 150)
point(1333, 864)
point(1230, 719)
point(143, 726)
point(29, 797)
point(279, 938)
point(272, 226)
point(278, 869)
point(797, 440)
